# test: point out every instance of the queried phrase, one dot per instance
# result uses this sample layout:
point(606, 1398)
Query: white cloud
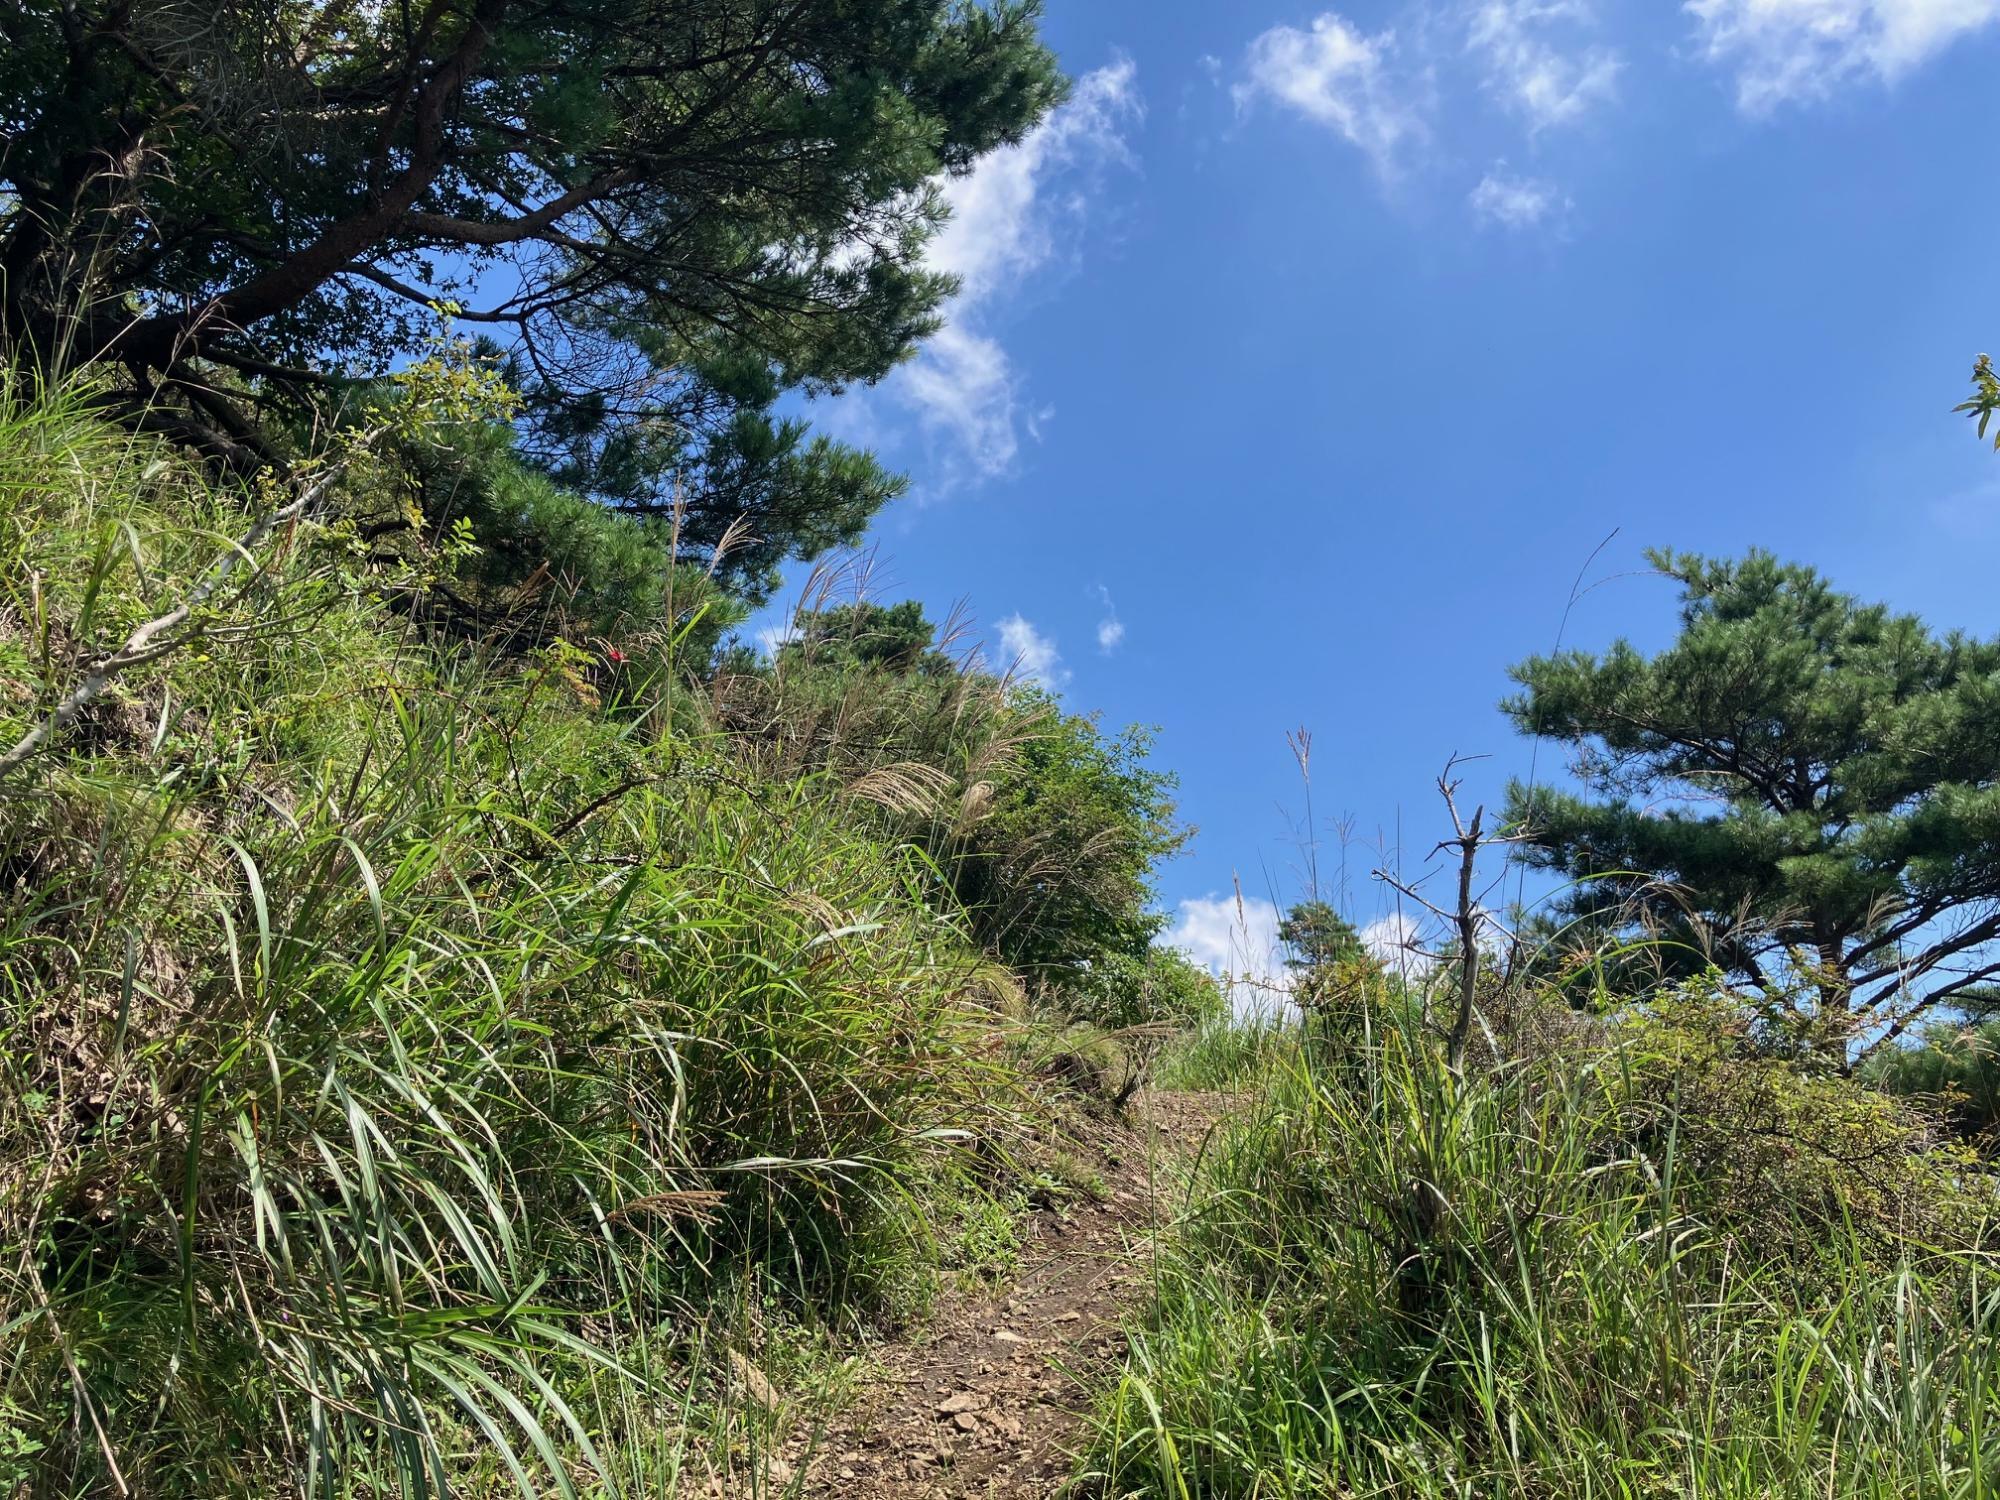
point(1337, 77)
point(1514, 202)
point(1110, 629)
point(963, 386)
point(1030, 655)
point(1236, 939)
point(1006, 224)
point(1540, 81)
point(1785, 51)
point(1392, 940)
point(771, 637)
point(1000, 227)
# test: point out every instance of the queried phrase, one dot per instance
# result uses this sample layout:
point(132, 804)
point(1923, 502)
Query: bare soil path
point(988, 1401)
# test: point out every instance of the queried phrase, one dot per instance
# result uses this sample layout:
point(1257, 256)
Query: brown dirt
point(988, 1400)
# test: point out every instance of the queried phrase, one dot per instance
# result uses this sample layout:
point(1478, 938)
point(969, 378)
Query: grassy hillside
point(462, 1033)
point(418, 1056)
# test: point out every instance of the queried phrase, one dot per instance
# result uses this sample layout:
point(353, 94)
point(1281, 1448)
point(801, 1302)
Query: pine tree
point(666, 213)
point(1319, 937)
point(1802, 789)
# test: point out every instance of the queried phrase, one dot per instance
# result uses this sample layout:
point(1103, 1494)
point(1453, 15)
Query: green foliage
point(983, 1236)
point(1786, 1151)
point(1985, 400)
point(1044, 828)
point(1331, 967)
point(402, 1060)
point(540, 559)
point(1319, 937)
point(1164, 988)
point(1955, 1068)
point(1551, 1278)
point(1800, 789)
point(687, 211)
point(895, 639)
point(1058, 872)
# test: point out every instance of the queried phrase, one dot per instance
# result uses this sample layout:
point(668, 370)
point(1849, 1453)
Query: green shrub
point(1792, 1159)
point(1044, 827)
point(1164, 988)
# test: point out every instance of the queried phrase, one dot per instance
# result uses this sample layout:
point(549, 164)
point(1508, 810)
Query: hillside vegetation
point(1643, 1258)
point(426, 1056)
point(533, 1045)
point(474, 1024)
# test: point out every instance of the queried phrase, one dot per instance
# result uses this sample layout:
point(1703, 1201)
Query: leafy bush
point(1058, 872)
point(1791, 1159)
point(1164, 988)
point(1044, 828)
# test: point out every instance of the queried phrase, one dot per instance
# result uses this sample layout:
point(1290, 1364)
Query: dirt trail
point(988, 1401)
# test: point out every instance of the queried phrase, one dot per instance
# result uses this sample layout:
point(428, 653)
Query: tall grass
point(402, 1052)
point(1227, 1053)
point(1640, 1264)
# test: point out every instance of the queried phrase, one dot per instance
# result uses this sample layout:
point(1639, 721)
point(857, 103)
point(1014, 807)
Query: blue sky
point(1305, 357)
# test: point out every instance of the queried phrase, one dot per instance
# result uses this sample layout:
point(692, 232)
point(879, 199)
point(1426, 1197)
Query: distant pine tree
point(1802, 789)
point(1319, 937)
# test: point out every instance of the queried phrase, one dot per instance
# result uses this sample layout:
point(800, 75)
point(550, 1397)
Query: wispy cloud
point(1513, 202)
point(1009, 220)
point(1786, 51)
point(1336, 76)
point(1110, 629)
point(963, 386)
point(1030, 655)
point(1534, 62)
point(1394, 941)
point(1236, 939)
point(1973, 512)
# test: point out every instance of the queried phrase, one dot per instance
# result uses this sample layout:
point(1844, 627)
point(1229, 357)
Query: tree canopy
point(1058, 873)
point(1803, 788)
point(866, 636)
point(666, 215)
point(1319, 937)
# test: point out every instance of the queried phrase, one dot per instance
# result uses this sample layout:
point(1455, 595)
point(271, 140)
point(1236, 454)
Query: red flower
point(617, 657)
